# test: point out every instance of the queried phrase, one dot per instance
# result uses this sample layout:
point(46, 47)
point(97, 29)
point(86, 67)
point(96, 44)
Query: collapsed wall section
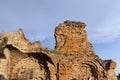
point(72, 59)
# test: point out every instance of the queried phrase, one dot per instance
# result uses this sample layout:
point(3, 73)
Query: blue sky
point(38, 19)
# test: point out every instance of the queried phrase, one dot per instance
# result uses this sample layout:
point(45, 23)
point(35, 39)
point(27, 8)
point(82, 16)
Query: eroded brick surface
point(72, 59)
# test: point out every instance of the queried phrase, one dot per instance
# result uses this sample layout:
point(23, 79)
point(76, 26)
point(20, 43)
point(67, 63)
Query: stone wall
point(3, 68)
point(72, 59)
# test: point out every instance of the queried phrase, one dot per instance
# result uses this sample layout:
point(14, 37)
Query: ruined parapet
point(110, 66)
point(79, 61)
point(22, 60)
point(19, 41)
point(72, 59)
point(71, 38)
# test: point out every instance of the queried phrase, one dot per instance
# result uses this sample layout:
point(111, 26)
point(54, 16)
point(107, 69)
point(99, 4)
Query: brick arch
point(45, 61)
point(93, 71)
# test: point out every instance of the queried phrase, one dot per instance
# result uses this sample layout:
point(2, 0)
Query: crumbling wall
point(3, 66)
point(79, 62)
point(72, 59)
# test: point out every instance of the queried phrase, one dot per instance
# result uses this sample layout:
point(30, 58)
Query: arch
point(93, 70)
point(43, 59)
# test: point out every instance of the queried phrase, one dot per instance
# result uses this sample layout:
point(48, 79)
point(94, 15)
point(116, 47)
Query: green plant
point(57, 51)
point(54, 50)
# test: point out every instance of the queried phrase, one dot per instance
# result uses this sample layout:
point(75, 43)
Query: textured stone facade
point(72, 59)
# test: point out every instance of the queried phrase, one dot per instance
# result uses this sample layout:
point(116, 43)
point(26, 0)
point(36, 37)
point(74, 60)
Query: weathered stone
point(109, 64)
point(19, 41)
point(71, 38)
point(72, 59)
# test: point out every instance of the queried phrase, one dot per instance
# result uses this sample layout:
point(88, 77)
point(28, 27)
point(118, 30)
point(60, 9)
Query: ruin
point(72, 59)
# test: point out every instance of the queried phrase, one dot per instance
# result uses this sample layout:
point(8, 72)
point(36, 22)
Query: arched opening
point(91, 72)
point(3, 66)
point(43, 60)
point(34, 66)
point(26, 65)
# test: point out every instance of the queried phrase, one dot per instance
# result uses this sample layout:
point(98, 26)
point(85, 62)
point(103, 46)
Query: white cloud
point(108, 30)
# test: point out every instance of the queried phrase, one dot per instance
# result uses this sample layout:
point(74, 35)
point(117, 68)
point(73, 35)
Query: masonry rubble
point(72, 59)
